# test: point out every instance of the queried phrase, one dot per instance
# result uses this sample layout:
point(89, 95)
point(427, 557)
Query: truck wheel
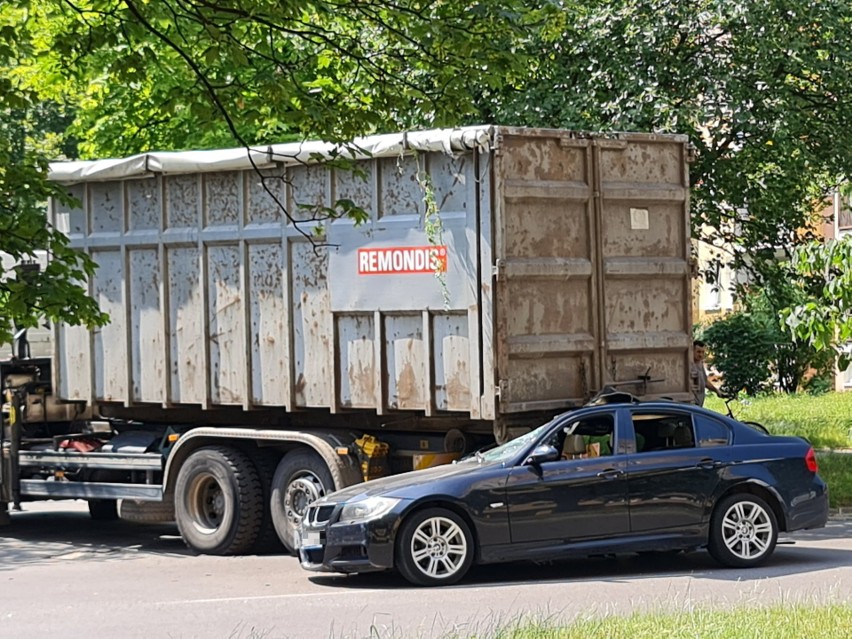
point(218, 501)
point(147, 512)
point(301, 478)
point(103, 509)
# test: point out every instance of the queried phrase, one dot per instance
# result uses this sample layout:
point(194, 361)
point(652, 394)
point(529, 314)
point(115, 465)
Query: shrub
point(753, 350)
point(741, 347)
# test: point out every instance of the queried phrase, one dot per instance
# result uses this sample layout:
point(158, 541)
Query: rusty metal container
point(560, 265)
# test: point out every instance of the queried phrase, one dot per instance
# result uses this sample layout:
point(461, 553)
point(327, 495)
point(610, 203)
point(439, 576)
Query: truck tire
point(147, 512)
point(103, 509)
point(267, 539)
point(301, 478)
point(218, 501)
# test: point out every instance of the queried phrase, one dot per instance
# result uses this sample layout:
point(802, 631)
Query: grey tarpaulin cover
point(264, 157)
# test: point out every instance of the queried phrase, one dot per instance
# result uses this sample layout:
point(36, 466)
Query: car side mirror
point(543, 453)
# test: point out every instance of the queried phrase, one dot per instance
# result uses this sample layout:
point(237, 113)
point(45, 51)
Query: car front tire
point(743, 531)
point(434, 548)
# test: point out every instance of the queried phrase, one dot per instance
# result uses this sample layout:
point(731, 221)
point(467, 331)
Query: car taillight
point(811, 461)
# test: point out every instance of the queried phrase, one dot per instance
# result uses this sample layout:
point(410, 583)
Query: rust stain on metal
point(356, 187)
point(106, 199)
point(406, 386)
point(458, 387)
point(182, 201)
point(223, 198)
point(316, 316)
point(309, 187)
point(361, 373)
point(267, 196)
point(144, 204)
point(299, 389)
point(401, 194)
point(457, 371)
point(409, 378)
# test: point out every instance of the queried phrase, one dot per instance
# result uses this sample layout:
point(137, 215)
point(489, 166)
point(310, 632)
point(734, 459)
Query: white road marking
point(292, 595)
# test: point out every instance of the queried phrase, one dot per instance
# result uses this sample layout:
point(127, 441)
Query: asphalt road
point(63, 575)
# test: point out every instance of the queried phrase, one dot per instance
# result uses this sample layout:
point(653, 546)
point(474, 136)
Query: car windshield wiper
point(479, 457)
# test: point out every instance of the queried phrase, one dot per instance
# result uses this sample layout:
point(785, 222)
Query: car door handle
point(708, 463)
point(610, 473)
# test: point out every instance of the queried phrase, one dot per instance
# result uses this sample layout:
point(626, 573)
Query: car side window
point(711, 432)
point(662, 431)
point(587, 437)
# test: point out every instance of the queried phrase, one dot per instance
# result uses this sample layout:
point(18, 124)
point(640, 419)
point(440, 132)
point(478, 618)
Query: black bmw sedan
point(613, 478)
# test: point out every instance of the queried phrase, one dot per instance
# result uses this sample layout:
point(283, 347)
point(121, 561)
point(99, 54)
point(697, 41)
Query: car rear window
point(712, 432)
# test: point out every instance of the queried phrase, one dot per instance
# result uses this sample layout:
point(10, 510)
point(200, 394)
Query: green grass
point(827, 621)
point(836, 471)
point(824, 420)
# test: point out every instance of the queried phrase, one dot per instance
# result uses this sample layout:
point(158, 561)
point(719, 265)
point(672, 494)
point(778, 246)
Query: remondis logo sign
point(402, 259)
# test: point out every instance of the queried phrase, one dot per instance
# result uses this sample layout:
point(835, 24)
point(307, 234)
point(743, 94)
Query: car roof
point(625, 400)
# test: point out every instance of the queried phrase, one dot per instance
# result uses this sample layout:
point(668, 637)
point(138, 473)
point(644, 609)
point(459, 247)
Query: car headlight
point(366, 509)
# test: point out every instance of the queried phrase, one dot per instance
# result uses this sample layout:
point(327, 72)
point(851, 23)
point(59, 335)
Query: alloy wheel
point(439, 547)
point(747, 530)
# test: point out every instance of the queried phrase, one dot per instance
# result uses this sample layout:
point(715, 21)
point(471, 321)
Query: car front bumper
point(348, 548)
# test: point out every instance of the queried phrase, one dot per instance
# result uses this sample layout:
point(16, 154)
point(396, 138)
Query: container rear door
point(645, 280)
point(547, 322)
point(591, 239)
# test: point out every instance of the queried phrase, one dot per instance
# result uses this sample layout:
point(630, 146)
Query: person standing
point(698, 374)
